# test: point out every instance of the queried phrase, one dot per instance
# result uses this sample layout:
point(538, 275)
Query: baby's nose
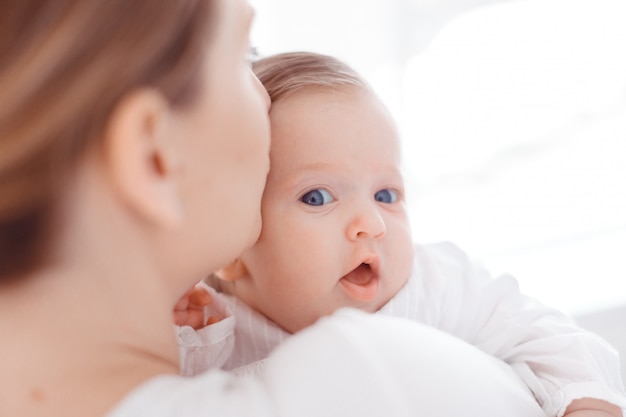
point(367, 223)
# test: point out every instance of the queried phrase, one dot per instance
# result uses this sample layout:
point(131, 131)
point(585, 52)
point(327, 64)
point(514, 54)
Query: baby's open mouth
point(361, 283)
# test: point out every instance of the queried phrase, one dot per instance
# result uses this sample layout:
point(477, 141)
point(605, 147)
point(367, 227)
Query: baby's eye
point(386, 196)
point(317, 198)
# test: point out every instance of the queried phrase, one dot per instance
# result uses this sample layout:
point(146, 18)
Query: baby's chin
point(294, 324)
point(291, 326)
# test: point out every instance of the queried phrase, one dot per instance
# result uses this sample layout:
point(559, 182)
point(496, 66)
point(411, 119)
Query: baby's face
point(335, 227)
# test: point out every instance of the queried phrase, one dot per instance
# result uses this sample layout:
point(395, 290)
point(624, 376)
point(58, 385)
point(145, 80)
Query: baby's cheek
point(407, 253)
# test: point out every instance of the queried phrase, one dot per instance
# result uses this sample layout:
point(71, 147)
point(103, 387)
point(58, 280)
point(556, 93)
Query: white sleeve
point(350, 364)
point(558, 360)
point(211, 346)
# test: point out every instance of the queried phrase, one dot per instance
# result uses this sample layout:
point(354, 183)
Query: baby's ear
point(233, 271)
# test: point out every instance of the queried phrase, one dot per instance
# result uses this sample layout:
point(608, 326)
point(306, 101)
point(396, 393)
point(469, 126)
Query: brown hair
point(285, 73)
point(64, 65)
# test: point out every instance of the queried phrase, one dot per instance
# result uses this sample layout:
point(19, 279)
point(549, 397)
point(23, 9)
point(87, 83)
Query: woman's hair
point(285, 73)
point(64, 66)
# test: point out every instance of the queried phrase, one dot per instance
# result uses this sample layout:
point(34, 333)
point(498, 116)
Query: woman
point(133, 153)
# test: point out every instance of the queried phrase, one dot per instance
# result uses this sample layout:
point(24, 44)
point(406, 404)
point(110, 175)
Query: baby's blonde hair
point(285, 73)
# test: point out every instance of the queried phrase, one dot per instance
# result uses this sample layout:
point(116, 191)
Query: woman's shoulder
point(212, 393)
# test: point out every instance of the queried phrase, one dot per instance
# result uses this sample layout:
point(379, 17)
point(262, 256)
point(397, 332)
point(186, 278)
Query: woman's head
point(65, 68)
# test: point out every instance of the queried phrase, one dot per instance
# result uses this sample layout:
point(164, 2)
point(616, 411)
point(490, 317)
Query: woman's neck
point(82, 333)
point(73, 344)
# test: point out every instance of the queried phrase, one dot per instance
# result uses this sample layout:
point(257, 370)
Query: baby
point(336, 234)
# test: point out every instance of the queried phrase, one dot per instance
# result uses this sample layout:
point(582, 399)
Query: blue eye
point(317, 198)
point(386, 196)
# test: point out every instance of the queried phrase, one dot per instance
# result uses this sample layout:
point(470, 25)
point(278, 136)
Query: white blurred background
point(513, 115)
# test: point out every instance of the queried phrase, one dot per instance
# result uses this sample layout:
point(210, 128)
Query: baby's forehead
point(328, 107)
point(328, 155)
point(324, 123)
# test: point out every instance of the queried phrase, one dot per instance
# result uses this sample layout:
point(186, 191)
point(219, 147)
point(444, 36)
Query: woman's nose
point(367, 223)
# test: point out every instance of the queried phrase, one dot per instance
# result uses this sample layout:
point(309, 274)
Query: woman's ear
point(233, 271)
point(141, 157)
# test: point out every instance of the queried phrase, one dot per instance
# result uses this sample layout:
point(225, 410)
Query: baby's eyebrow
point(302, 172)
point(305, 176)
point(318, 166)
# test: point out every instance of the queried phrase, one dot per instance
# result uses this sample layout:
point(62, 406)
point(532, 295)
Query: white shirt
point(349, 364)
point(556, 359)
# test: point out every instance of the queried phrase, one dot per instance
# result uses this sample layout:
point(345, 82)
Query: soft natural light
point(515, 127)
point(513, 115)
